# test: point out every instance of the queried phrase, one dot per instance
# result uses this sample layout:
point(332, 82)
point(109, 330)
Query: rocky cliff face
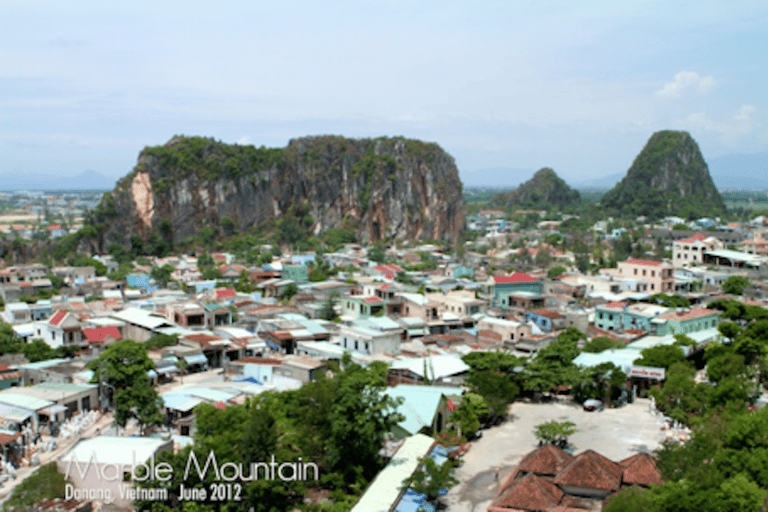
point(668, 177)
point(386, 187)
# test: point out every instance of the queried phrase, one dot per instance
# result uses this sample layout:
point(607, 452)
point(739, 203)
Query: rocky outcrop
point(668, 177)
point(386, 187)
point(544, 190)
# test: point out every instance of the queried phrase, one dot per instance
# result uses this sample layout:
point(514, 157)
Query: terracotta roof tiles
point(592, 471)
point(640, 469)
point(530, 492)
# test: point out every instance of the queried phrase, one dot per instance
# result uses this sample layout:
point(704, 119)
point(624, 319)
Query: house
point(549, 479)
point(141, 325)
point(62, 329)
point(546, 319)
point(369, 341)
point(259, 368)
point(102, 336)
point(686, 321)
point(520, 284)
point(444, 370)
point(506, 330)
point(657, 275)
point(17, 313)
point(301, 368)
point(690, 251)
point(425, 409)
point(621, 316)
point(297, 273)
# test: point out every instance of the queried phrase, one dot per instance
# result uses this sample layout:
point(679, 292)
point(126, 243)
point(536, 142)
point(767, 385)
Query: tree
point(496, 388)
point(469, 413)
point(432, 479)
point(555, 271)
point(553, 431)
point(601, 343)
point(124, 366)
point(735, 285)
point(162, 274)
point(360, 417)
point(662, 356)
point(376, 253)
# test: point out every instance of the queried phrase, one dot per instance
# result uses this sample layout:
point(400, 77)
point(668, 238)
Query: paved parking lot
point(615, 433)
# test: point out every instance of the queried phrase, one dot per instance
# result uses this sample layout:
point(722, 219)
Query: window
point(367, 347)
point(653, 273)
point(356, 345)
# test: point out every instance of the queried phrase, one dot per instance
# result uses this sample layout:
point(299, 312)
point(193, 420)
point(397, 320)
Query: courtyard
point(615, 433)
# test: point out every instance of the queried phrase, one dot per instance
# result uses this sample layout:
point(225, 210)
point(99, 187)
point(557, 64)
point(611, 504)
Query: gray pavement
point(615, 433)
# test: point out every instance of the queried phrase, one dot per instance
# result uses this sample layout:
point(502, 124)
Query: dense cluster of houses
point(420, 323)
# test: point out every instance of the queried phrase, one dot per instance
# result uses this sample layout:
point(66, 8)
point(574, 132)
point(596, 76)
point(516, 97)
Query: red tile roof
point(8, 438)
point(100, 334)
point(688, 315)
point(57, 318)
point(590, 470)
point(530, 492)
point(547, 313)
point(693, 238)
point(389, 268)
point(547, 460)
point(202, 339)
point(640, 469)
point(260, 360)
point(517, 277)
point(638, 261)
point(226, 293)
point(372, 300)
point(616, 304)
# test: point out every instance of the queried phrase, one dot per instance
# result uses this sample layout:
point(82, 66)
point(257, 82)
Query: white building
point(690, 251)
point(369, 341)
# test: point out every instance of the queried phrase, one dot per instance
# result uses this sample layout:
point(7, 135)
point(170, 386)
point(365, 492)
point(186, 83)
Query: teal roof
point(41, 364)
point(24, 401)
point(419, 405)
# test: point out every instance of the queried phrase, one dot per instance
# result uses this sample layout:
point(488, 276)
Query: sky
point(505, 87)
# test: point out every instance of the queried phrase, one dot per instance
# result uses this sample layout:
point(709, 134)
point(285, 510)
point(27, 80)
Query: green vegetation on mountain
point(543, 191)
point(182, 157)
point(668, 177)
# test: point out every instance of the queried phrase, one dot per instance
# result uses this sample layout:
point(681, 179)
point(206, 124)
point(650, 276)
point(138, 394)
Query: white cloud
point(742, 130)
point(245, 140)
point(685, 80)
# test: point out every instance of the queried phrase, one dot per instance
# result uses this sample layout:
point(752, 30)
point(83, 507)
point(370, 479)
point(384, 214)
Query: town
point(537, 364)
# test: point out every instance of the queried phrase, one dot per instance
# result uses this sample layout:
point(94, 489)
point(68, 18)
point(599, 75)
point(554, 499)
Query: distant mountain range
point(86, 180)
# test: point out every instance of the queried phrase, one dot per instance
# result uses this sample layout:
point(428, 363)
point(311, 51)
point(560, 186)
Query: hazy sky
point(576, 86)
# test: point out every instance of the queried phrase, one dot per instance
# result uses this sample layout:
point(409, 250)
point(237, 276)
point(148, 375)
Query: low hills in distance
point(544, 190)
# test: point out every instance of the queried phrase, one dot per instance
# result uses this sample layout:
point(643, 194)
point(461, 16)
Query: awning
point(53, 409)
point(272, 345)
point(196, 359)
point(166, 369)
point(15, 414)
point(422, 331)
point(152, 374)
